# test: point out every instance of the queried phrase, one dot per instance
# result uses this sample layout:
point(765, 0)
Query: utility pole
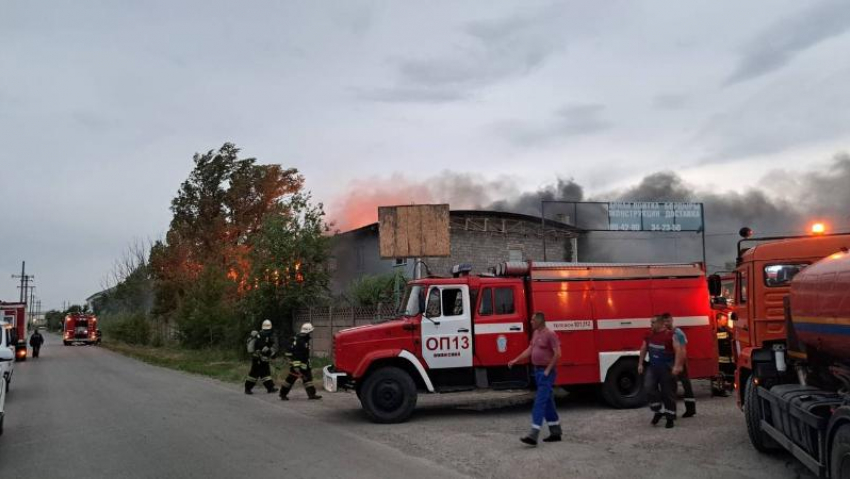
point(31, 303)
point(25, 281)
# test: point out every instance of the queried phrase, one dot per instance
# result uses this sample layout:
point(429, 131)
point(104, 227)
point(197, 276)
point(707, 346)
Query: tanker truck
point(797, 396)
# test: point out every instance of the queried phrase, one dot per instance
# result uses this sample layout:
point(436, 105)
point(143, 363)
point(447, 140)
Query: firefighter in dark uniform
point(262, 347)
point(299, 364)
point(665, 363)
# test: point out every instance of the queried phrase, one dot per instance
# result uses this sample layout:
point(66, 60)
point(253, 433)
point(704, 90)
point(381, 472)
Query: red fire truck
point(15, 314)
point(459, 333)
point(80, 328)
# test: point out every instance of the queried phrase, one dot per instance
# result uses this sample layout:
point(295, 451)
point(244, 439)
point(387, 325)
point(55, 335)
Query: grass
point(219, 364)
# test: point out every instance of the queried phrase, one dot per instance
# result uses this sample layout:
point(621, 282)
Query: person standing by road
point(544, 351)
point(665, 362)
point(36, 340)
point(262, 347)
point(299, 364)
point(682, 340)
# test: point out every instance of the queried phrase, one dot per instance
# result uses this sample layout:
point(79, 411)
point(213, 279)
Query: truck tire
point(839, 463)
point(388, 395)
point(752, 414)
point(623, 387)
point(66, 343)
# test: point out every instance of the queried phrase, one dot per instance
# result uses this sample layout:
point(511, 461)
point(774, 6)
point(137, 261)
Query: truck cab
point(762, 281)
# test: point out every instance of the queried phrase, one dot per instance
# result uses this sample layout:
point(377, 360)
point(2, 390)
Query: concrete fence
point(328, 320)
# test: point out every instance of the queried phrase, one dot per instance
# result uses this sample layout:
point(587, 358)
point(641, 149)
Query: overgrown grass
point(219, 364)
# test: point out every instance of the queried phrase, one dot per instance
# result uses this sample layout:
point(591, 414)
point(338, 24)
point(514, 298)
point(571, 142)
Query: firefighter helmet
point(267, 324)
point(306, 328)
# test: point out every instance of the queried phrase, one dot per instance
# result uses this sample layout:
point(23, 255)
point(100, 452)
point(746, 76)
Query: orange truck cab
point(762, 281)
point(459, 333)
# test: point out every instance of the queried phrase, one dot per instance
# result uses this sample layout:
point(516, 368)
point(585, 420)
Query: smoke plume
point(781, 203)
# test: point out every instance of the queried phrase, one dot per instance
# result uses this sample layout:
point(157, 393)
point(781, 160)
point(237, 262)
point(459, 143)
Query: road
point(88, 412)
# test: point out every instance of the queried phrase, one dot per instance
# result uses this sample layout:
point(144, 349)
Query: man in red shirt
point(545, 351)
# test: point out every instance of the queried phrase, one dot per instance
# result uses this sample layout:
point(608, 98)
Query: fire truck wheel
point(840, 457)
point(388, 395)
point(66, 343)
point(623, 387)
point(752, 413)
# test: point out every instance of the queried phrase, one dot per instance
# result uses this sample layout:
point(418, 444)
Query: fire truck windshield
point(413, 302)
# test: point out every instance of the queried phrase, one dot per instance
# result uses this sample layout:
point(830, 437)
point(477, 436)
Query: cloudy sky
point(102, 104)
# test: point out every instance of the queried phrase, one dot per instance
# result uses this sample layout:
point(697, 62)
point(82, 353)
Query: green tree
point(289, 267)
point(370, 290)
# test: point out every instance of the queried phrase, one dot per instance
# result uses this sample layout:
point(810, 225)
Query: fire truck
point(80, 328)
point(15, 314)
point(458, 333)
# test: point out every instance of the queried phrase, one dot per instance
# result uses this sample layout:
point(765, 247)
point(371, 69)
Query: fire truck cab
point(80, 328)
point(14, 314)
point(455, 334)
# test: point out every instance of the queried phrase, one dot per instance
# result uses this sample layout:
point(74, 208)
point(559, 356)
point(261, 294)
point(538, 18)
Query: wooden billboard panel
point(414, 231)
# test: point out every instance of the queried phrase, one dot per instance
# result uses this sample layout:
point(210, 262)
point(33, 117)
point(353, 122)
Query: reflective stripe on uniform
point(250, 379)
point(307, 384)
point(267, 378)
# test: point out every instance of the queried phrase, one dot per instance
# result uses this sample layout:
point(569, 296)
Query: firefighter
point(665, 362)
point(262, 346)
point(682, 340)
point(36, 340)
point(299, 364)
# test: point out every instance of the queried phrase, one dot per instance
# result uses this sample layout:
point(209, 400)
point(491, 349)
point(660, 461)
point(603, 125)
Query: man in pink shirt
point(545, 351)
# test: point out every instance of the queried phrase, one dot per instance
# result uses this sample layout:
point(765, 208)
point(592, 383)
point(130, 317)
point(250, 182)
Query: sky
point(103, 104)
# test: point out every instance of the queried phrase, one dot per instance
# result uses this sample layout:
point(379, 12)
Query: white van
point(7, 366)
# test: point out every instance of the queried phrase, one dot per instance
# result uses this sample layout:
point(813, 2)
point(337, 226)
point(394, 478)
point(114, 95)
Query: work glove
point(266, 350)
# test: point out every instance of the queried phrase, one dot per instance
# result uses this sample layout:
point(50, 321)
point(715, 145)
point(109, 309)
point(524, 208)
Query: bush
point(134, 328)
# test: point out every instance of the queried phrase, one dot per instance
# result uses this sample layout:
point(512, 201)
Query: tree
point(289, 267)
point(244, 243)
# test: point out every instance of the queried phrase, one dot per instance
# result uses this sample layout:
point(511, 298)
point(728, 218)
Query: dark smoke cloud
point(782, 203)
point(530, 202)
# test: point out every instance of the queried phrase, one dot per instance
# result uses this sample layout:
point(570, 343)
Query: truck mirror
point(714, 286)
point(719, 302)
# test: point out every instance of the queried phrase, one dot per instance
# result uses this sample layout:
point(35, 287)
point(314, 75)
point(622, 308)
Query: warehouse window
point(504, 301)
point(515, 253)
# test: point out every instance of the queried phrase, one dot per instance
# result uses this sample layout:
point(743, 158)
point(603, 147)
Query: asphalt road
point(87, 412)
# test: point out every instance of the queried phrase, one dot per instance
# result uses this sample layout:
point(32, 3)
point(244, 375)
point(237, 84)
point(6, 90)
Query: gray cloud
point(488, 52)
point(777, 45)
point(670, 101)
point(411, 95)
point(566, 122)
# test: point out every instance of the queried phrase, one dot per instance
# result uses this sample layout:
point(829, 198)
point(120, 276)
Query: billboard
point(414, 231)
point(655, 216)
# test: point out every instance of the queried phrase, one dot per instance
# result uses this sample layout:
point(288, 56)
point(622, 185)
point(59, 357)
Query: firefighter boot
point(284, 390)
point(248, 387)
point(690, 408)
point(311, 393)
point(531, 437)
point(671, 421)
point(656, 418)
point(554, 434)
point(270, 386)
